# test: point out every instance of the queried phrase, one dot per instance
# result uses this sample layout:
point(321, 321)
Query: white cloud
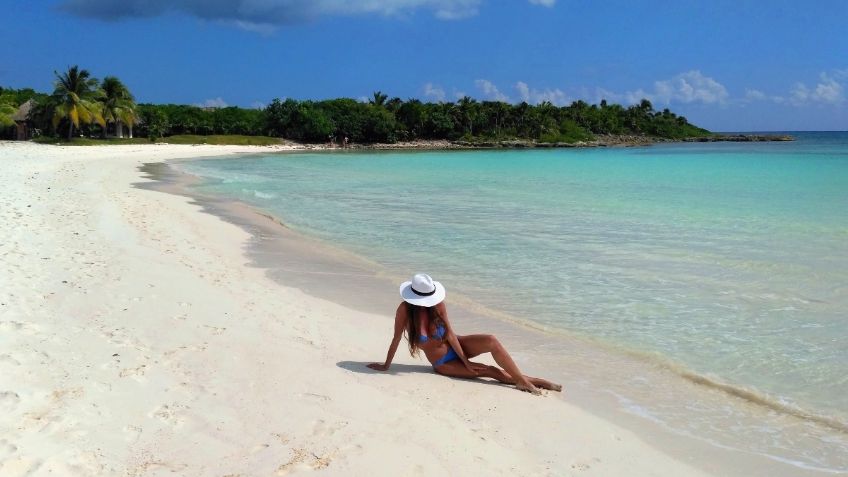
point(690, 87)
point(434, 92)
point(523, 91)
point(257, 105)
point(544, 3)
point(827, 91)
point(633, 97)
point(213, 103)
point(800, 94)
point(261, 28)
point(490, 90)
point(533, 96)
point(755, 95)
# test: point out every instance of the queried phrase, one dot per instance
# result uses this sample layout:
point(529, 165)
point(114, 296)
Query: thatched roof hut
point(22, 121)
point(22, 115)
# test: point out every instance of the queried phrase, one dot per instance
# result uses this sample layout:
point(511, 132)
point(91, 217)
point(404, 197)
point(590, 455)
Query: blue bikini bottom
point(448, 357)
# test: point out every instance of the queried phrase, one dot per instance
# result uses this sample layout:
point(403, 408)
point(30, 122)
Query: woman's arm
point(451, 338)
point(400, 325)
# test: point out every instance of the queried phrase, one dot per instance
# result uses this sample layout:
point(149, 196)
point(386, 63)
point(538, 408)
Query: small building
point(23, 124)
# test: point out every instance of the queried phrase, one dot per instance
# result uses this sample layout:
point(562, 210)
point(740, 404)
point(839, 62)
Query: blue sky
point(725, 65)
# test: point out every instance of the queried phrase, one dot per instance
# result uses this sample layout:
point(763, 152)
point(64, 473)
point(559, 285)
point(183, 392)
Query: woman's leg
point(499, 374)
point(475, 345)
point(458, 370)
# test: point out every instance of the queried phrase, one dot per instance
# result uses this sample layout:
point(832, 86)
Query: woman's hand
point(379, 366)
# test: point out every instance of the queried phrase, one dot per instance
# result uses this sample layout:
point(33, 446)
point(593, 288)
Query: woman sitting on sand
point(424, 317)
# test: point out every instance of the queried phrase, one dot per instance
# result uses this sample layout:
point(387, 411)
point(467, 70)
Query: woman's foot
point(550, 386)
point(545, 384)
point(528, 387)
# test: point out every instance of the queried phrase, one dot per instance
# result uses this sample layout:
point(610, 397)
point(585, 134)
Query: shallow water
point(727, 262)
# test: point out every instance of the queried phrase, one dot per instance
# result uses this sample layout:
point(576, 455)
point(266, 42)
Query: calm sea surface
point(729, 260)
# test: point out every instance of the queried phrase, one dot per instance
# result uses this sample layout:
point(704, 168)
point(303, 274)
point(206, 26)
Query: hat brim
point(411, 297)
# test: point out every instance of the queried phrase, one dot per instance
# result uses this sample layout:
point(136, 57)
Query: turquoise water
point(729, 260)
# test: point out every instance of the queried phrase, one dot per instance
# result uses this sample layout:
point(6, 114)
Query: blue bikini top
point(439, 335)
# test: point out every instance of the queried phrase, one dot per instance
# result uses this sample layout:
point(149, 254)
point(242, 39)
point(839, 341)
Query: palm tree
point(76, 95)
point(6, 112)
point(394, 104)
point(468, 113)
point(118, 105)
point(379, 98)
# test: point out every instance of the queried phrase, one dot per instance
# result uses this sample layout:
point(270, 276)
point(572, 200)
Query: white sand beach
point(135, 340)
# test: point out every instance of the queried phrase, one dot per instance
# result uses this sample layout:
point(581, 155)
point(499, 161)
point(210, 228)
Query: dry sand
point(135, 340)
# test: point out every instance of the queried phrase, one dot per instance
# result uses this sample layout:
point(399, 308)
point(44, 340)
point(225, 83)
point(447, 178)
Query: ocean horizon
point(724, 261)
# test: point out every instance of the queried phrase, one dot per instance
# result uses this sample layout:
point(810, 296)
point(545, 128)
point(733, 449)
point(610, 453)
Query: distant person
point(345, 142)
point(423, 316)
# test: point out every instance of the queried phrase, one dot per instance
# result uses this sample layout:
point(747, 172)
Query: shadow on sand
point(362, 367)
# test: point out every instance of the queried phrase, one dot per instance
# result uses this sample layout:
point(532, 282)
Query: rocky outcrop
point(740, 138)
point(600, 141)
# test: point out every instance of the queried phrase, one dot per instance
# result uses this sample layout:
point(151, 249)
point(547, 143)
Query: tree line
point(83, 105)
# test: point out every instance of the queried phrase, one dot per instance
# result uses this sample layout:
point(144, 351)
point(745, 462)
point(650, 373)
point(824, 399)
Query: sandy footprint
point(303, 459)
point(215, 329)
point(9, 401)
point(18, 327)
point(259, 448)
point(170, 414)
point(321, 428)
point(19, 466)
point(316, 397)
point(7, 449)
point(136, 373)
point(82, 463)
point(132, 433)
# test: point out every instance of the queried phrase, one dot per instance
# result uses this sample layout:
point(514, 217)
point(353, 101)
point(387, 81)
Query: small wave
point(259, 194)
point(761, 399)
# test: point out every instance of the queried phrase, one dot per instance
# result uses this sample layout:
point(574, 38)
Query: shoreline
point(174, 296)
point(274, 232)
point(608, 140)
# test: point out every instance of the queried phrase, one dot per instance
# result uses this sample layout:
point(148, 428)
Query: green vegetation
point(231, 139)
point(172, 119)
point(10, 100)
point(6, 112)
point(81, 105)
point(568, 131)
point(87, 141)
point(223, 139)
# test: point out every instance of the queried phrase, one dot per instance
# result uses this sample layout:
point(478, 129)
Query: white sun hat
point(422, 291)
